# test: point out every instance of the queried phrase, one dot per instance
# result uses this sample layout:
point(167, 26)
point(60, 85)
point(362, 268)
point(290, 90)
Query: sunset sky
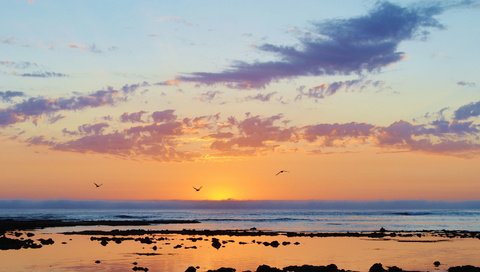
point(363, 100)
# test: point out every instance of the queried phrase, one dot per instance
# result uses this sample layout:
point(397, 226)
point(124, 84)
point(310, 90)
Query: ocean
point(311, 220)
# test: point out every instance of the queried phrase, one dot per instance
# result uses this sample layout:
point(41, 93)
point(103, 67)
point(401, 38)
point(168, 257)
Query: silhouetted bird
point(281, 172)
point(97, 185)
point(198, 189)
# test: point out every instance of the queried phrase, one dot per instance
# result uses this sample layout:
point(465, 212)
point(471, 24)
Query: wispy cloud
point(261, 97)
point(20, 65)
point(339, 47)
point(209, 96)
point(43, 74)
point(134, 117)
point(37, 106)
point(466, 84)
point(328, 89)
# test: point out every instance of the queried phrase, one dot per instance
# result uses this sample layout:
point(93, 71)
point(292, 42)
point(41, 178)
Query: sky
point(357, 100)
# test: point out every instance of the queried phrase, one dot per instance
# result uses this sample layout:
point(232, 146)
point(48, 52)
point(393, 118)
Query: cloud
point(466, 84)
point(339, 47)
point(43, 74)
point(134, 117)
point(467, 111)
point(209, 96)
point(6, 96)
point(21, 65)
point(164, 116)
point(34, 107)
point(92, 48)
point(175, 19)
point(9, 40)
point(328, 89)
point(332, 132)
point(261, 97)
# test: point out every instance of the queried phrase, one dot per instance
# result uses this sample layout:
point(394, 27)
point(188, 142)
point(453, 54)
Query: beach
point(176, 245)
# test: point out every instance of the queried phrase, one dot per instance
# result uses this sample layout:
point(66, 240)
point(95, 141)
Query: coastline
point(281, 248)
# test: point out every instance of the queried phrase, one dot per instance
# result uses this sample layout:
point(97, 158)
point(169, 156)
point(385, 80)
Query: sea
point(308, 218)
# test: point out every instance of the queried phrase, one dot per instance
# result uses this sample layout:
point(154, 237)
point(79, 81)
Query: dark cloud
point(43, 74)
point(36, 106)
point(6, 96)
point(164, 116)
point(134, 117)
point(324, 90)
point(339, 47)
point(332, 132)
point(467, 111)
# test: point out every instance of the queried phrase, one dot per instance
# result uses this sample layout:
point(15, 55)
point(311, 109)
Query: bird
point(281, 172)
point(197, 189)
point(97, 185)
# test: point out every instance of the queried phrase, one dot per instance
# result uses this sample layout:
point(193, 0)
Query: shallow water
point(80, 254)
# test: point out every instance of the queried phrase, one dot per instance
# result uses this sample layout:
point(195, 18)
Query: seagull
point(97, 185)
point(281, 172)
point(198, 189)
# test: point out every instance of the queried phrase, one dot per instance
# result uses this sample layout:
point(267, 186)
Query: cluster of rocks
point(7, 243)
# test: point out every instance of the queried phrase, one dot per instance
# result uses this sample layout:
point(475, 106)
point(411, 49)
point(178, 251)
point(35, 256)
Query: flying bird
point(281, 172)
point(97, 185)
point(198, 189)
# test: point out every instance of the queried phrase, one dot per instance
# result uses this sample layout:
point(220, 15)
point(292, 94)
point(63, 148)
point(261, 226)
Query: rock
point(266, 268)
point(48, 241)
point(216, 243)
point(97, 261)
point(154, 248)
point(311, 268)
point(465, 268)
point(253, 229)
point(134, 263)
point(378, 267)
point(177, 246)
point(296, 243)
point(394, 269)
point(139, 268)
point(223, 269)
point(104, 242)
point(382, 230)
point(191, 269)
point(144, 240)
point(274, 244)
point(29, 234)
point(285, 243)
point(242, 243)
point(17, 234)
point(436, 263)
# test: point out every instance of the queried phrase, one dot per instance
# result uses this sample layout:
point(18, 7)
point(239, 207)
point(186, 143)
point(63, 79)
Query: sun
point(221, 194)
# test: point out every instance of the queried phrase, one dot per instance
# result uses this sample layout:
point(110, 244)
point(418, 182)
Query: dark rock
point(134, 263)
point(64, 243)
point(139, 268)
point(285, 243)
point(378, 267)
point(242, 243)
point(29, 234)
point(311, 268)
point(382, 229)
point(216, 243)
point(274, 244)
point(266, 268)
point(144, 240)
point(253, 229)
point(97, 261)
point(177, 246)
point(266, 243)
point(104, 242)
point(436, 263)
point(223, 269)
point(8, 243)
point(191, 269)
point(296, 243)
point(154, 248)
point(48, 241)
point(465, 268)
point(394, 269)
point(17, 234)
